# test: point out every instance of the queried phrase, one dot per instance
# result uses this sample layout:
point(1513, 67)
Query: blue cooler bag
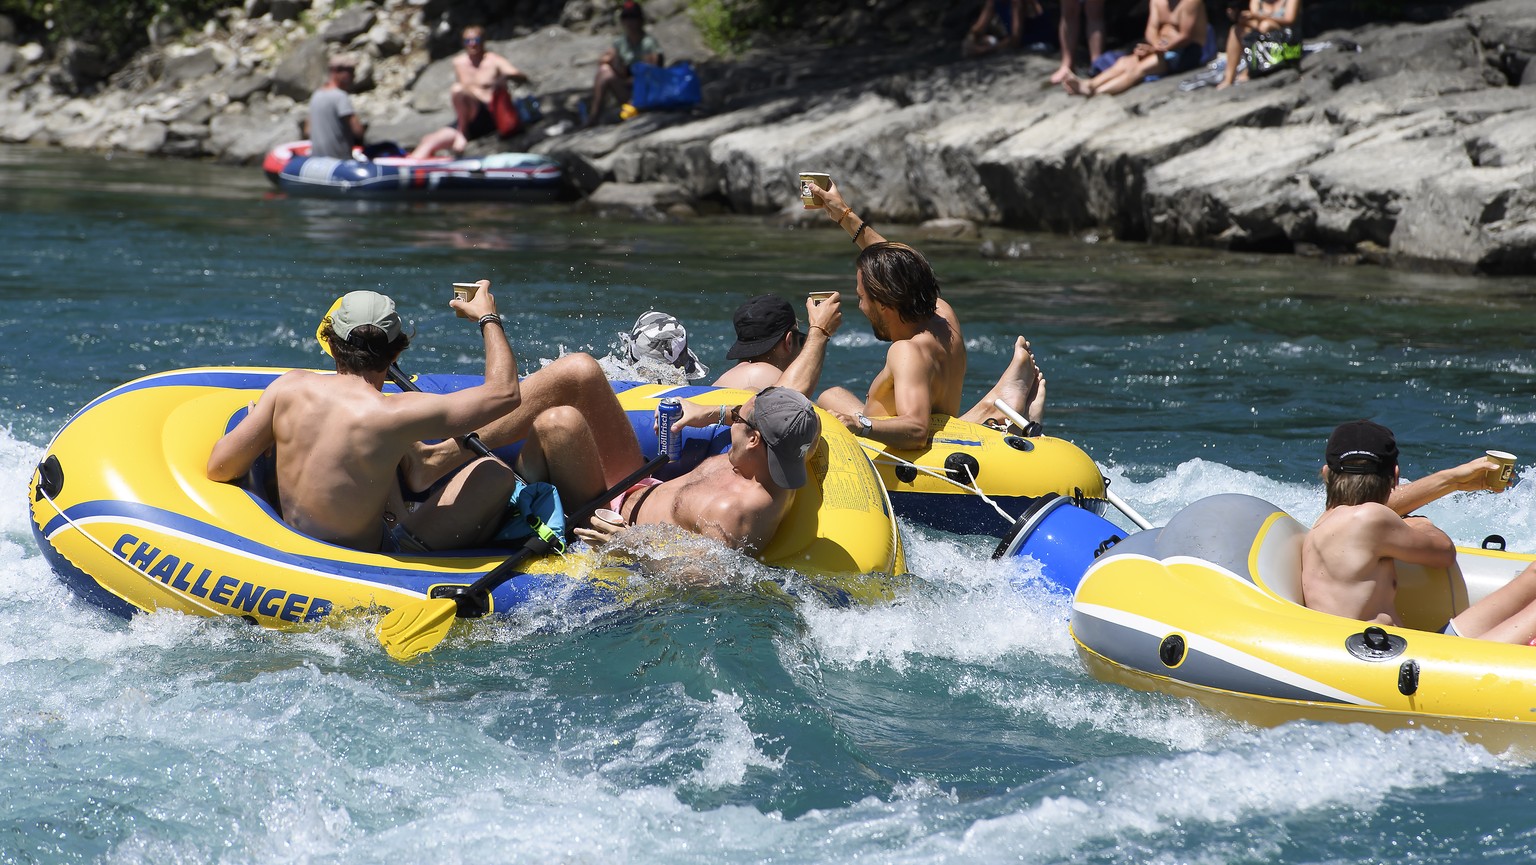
point(658, 88)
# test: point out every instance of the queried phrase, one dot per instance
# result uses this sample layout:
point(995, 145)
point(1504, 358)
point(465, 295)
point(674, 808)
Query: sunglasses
point(474, 40)
point(737, 418)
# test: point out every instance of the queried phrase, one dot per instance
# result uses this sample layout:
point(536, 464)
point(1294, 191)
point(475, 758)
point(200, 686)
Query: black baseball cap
point(761, 322)
point(1362, 447)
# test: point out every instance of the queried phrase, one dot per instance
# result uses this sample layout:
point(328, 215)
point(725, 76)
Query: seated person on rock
point(333, 127)
point(342, 443)
point(1250, 18)
point(770, 347)
point(478, 95)
point(925, 365)
point(613, 70)
point(999, 27)
point(1348, 559)
point(1175, 42)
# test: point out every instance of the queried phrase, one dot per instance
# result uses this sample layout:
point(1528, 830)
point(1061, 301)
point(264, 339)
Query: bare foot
point(1036, 409)
point(459, 143)
point(1060, 74)
point(1075, 86)
point(1019, 387)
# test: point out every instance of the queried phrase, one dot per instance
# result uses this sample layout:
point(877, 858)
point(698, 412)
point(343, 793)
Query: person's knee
point(580, 368)
point(558, 423)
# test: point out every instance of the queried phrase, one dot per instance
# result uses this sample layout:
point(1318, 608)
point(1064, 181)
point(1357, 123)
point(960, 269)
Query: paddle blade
point(410, 630)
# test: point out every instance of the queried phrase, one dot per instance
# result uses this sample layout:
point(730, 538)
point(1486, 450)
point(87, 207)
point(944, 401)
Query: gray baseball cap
point(358, 308)
point(789, 426)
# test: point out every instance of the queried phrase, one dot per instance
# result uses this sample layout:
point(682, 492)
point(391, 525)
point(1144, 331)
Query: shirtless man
point(479, 74)
point(1175, 42)
point(341, 441)
point(737, 498)
point(925, 365)
point(1348, 560)
point(769, 343)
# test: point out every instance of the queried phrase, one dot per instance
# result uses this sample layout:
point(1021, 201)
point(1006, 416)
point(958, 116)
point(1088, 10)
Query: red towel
point(504, 112)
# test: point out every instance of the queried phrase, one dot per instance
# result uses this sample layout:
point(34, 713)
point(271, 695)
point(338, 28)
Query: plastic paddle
point(418, 627)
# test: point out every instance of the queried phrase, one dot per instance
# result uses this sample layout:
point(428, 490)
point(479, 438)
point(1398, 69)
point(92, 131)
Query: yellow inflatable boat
point(123, 509)
point(969, 473)
point(1209, 607)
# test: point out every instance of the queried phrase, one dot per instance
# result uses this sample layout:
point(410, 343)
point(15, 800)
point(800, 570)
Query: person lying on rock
point(1348, 559)
point(1175, 42)
point(333, 127)
point(614, 77)
point(925, 365)
point(481, 102)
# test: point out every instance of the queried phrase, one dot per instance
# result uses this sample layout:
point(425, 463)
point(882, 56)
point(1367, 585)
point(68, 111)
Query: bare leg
point(432, 142)
point(840, 400)
point(1508, 615)
point(464, 512)
point(1095, 13)
point(1017, 388)
point(1068, 31)
point(1234, 51)
point(1122, 77)
point(576, 470)
point(575, 380)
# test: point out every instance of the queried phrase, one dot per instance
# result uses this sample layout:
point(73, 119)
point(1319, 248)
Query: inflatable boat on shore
point(975, 480)
point(122, 508)
point(1210, 607)
point(523, 177)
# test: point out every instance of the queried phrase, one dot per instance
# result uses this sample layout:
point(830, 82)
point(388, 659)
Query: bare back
point(716, 501)
point(933, 358)
point(1349, 560)
point(750, 375)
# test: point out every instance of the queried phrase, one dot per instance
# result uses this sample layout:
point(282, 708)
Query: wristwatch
point(865, 424)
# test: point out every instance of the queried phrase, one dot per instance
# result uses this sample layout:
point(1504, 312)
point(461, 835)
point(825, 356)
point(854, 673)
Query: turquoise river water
point(956, 725)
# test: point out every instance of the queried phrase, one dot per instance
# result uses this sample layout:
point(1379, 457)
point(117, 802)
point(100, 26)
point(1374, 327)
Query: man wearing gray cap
point(737, 498)
point(341, 442)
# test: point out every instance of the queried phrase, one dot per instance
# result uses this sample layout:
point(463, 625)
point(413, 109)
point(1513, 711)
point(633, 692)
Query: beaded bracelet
point(862, 226)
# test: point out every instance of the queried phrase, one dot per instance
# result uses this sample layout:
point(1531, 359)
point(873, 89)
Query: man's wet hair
point(1345, 490)
point(366, 349)
point(898, 276)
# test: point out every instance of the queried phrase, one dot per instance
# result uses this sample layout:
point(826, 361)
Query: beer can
point(667, 413)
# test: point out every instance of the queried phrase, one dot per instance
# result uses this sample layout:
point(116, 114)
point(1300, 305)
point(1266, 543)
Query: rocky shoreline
point(1417, 148)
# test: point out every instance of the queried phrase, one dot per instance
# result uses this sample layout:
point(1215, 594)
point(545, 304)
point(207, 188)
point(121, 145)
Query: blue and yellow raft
point(123, 509)
point(969, 472)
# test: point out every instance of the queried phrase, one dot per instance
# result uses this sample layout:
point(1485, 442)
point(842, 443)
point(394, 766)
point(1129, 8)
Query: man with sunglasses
point(333, 127)
point(481, 103)
point(1349, 558)
point(737, 498)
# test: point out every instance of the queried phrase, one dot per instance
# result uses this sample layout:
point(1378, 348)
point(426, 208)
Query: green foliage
point(729, 25)
point(117, 27)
